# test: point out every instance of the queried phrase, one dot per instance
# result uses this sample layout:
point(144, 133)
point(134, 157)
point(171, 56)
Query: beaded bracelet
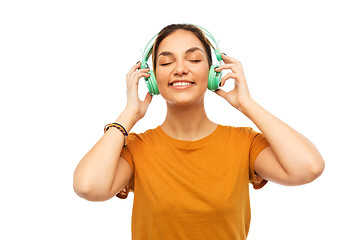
point(119, 127)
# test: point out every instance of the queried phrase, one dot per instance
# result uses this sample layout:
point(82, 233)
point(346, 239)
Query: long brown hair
point(166, 31)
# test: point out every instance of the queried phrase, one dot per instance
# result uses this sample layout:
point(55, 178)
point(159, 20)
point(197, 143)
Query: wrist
point(127, 119)
point(248, 107)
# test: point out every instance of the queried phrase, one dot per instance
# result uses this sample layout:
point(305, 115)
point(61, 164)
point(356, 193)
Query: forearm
point(96, 170)
point(295, 153)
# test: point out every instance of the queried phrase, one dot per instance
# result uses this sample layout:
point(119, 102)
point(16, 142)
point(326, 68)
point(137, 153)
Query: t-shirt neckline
point(188, 144)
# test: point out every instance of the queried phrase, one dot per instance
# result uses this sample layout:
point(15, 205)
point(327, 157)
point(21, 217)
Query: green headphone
point(214, 78)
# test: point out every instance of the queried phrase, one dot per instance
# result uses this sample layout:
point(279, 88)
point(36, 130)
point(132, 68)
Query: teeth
point(181, 84)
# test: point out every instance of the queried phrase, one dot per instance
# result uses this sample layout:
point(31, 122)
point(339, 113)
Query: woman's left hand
point(239, 96)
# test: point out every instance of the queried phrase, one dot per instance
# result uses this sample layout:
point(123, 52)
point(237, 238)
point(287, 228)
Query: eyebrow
point(190, 50)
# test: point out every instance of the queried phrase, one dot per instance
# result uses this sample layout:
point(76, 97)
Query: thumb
point(148, 98)
point(221, 93)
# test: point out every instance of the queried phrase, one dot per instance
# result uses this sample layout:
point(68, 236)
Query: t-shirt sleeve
point(127, 155)
point(258, 143)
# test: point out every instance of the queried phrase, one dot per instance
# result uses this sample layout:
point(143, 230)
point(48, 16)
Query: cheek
point(161, 75)
point(203, 73)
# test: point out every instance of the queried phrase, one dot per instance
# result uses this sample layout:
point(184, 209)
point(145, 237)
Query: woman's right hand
point(134, 105)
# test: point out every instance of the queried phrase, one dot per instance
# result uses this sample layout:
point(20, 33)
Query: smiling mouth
point(181, 84)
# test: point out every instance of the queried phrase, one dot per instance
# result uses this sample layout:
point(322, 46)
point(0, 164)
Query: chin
point(184, 99)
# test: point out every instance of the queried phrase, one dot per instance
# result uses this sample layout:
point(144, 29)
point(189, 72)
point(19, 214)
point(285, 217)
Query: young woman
point(190, 176)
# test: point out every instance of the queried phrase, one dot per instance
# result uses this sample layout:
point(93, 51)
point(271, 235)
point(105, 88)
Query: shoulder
point(145, 136)
point(244, 131)
point(246, 136)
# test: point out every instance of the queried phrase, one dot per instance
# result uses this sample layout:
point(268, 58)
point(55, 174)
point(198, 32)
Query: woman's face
point(182, 58)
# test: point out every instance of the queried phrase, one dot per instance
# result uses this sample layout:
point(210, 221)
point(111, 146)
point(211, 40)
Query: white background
point(62, 71)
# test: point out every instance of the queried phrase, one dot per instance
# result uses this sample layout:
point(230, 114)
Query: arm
point(94, 175)
point(291, 159)
point(102, 173)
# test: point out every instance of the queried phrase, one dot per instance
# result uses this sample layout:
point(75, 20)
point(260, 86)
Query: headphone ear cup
point(214, 78)
point(152, 84)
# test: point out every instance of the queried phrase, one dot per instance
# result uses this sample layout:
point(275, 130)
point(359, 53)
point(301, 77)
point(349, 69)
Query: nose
point(180, 69)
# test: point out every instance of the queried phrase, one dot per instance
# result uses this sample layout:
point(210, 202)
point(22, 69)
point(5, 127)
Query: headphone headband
point(147, 52)
point(148, 47)
point(217, 50)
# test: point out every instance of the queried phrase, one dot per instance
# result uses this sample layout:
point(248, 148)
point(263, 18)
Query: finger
point(133, 69)
point(148, 98)
point(140, 70)
point(230, 66)
point(228, 59)
point(136, 76)
point(136, 66)
point(221, 93)
point(227, 76)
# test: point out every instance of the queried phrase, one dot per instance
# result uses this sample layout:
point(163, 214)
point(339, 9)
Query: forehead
point(180, 41)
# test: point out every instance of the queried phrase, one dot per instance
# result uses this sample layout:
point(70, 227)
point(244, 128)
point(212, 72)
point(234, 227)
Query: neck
point(187, 123)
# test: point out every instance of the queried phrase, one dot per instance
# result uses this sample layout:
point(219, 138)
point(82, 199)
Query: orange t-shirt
point(192, 189)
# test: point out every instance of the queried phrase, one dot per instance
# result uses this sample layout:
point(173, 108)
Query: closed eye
point(165, 64)
point(195, 61)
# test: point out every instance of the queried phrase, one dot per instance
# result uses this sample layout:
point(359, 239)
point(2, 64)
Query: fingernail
point(137, 62)
point(224, 54)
